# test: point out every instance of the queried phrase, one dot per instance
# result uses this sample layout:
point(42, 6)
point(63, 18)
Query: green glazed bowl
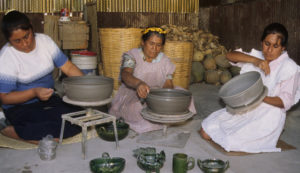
point(213, 165)
point(105, 164)
point(106, 131)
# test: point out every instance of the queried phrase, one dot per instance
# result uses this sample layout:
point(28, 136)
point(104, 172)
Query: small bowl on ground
point(213, 165)
point(88, 88)
point(168, 101)
point(106, 164)
point(106, 131)
point(242, 90)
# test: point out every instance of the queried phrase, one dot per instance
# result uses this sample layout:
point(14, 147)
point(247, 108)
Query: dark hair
point(276, 28)
point(14, 20)
point(146, 36)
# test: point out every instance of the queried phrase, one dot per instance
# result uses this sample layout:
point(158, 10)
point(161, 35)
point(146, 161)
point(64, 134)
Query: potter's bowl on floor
point(242, 89)
point(106, 131)
point(168, 101)
point(213, 165)
point(106, 164)
point(88, 88)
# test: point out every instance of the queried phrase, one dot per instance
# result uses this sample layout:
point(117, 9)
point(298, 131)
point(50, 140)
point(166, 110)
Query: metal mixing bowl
point(88, 88)
point(168, 101)
point(242, 90)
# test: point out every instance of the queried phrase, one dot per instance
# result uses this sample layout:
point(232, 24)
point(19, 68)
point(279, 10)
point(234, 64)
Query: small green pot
point(213, 165)
point(106, 164)
point(106, 131)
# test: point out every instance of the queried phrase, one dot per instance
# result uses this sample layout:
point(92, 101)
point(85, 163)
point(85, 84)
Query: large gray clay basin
point(242, 90)
point(168, 101)
point(88, 88)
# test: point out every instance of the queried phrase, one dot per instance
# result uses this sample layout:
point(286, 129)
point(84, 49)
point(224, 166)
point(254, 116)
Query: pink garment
point(127, 104)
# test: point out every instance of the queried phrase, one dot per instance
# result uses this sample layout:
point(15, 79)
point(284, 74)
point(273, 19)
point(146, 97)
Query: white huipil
point(258, 130)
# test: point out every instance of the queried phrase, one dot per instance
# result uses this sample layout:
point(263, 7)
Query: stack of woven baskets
point(114, 42)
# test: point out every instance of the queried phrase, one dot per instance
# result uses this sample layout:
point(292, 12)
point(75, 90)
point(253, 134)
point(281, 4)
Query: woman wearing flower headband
point(142, 68)
point(26, 83)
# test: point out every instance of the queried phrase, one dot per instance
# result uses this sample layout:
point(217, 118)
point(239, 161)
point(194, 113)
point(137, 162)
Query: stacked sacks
point(209, 62)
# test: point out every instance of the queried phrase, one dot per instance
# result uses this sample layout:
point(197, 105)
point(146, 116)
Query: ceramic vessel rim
point(237, 78)
point(113, 160)
point(70, 80)
point(186, 93)
point(220, 162)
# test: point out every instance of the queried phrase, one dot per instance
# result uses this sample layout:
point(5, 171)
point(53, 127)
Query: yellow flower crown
point(159, 30)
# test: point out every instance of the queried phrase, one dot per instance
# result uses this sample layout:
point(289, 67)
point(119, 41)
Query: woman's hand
point(241, 57)
point(19, 97)
point(275, 101)
point(43, 93)
point(262, 64)
point(142, 89)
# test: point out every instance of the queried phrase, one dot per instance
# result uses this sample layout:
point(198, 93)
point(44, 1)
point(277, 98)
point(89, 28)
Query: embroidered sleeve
point(128, 61)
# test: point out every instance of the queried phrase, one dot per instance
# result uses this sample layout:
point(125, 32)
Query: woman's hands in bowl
point(142, 89)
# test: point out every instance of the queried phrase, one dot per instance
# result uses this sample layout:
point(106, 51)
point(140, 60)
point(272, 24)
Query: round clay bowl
point(242, 90)
point(168, 101)
point(88, 88)
point(106, 131)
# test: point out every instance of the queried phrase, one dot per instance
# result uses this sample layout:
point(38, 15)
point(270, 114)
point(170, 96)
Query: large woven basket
point(181, 54)
point(114, 42)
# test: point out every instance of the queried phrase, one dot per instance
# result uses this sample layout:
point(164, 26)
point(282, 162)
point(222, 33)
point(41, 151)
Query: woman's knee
point(204, 135)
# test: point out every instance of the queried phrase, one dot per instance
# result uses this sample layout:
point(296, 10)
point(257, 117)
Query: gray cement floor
point(68, 157)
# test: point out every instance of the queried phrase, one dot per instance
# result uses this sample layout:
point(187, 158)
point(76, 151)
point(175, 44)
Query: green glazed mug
point(182, 163)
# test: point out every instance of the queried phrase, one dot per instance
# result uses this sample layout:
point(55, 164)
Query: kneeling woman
point(142, 69)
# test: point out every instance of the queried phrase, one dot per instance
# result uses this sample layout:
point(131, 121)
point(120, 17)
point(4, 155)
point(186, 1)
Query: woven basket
point(114, 42)
point(181, 54)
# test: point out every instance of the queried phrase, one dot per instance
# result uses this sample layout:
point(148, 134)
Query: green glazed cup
point(182, 163)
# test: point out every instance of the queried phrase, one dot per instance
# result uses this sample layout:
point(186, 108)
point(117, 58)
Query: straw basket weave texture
point(114, 42)
point(181, 54)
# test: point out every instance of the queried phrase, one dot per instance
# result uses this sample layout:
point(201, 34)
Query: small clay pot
point(106, 164)
point(106, 131)
point(151, 162)
point(213, 165)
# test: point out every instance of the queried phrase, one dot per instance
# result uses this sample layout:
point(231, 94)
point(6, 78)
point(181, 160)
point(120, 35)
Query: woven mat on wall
point(7, 142)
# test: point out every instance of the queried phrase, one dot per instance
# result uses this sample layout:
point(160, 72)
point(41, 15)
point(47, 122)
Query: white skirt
point(255, 131)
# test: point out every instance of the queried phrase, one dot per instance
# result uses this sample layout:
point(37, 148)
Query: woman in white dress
point(258, 130)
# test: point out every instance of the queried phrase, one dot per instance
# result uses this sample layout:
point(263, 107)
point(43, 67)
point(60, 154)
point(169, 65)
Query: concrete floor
point(68, 157)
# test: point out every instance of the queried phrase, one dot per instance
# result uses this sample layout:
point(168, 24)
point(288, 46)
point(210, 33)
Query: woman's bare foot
point(204, 135)
point(10, 132)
